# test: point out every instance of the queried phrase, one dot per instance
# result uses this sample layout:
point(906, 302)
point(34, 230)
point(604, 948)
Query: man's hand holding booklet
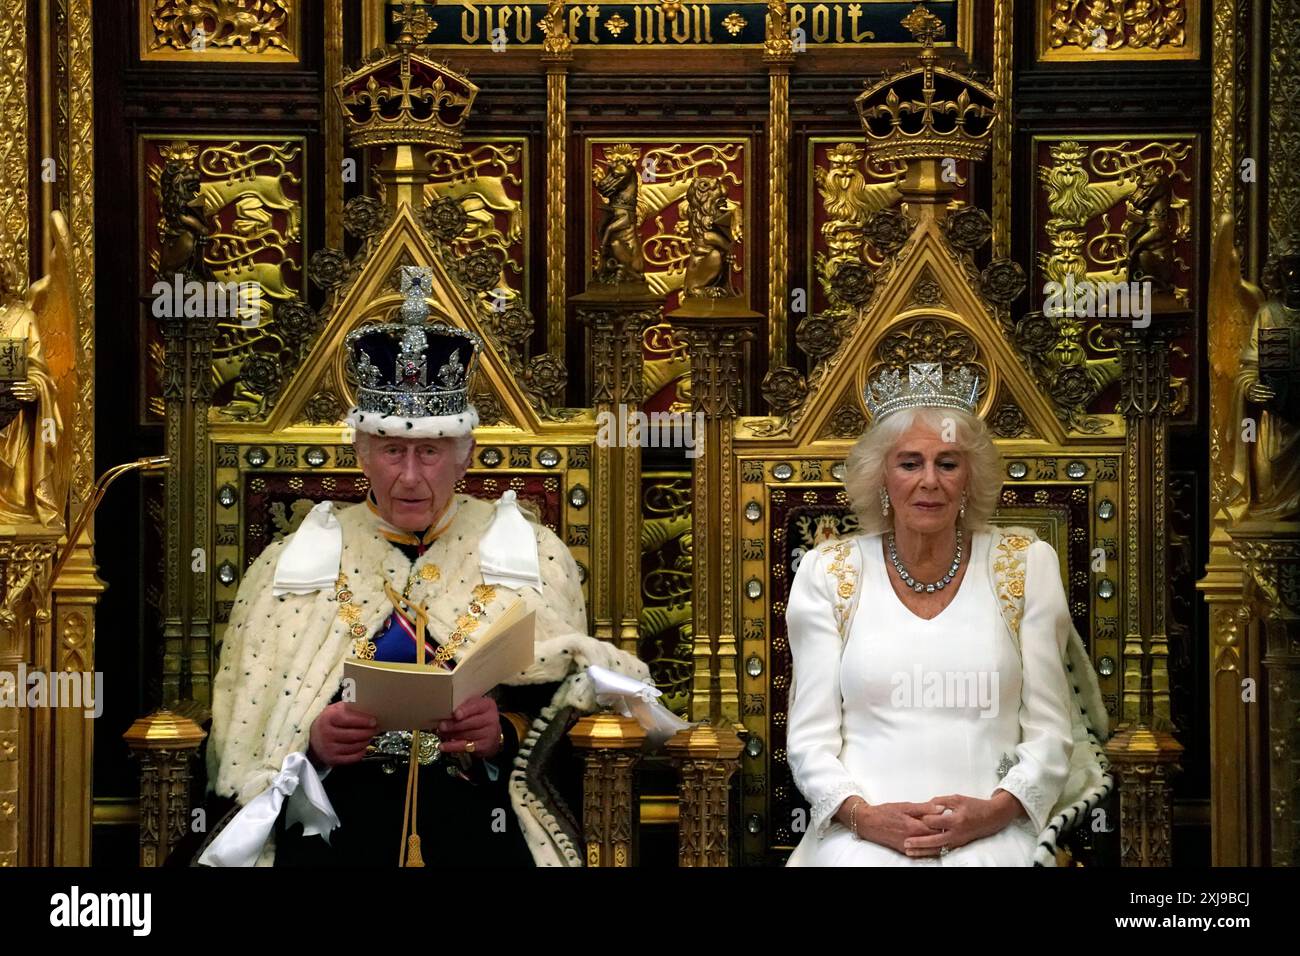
point(417, 696)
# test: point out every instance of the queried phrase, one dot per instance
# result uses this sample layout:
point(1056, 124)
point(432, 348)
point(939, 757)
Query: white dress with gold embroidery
point(907, 709)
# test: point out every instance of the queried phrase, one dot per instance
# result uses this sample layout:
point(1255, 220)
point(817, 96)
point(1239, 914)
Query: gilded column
point(629, 496)
point(69, 105)
point(778, 54)
point(706, 757)
point(557, 54)
point(27, 807)
point(1236, 824)
point(333, 127)
point(15, 138)
point(611, 746)
point(1226, 43)
point(187, 392)
point(1283, 109)
point(165, 744)
point(717, 337)
point(1270, 552)
point(603, 392)
point(615, 320)
point(1143, 752)
point(1002, 129)
point(617, 307)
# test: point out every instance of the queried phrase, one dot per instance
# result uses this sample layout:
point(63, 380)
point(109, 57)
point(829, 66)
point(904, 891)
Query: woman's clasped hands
point(930, 828)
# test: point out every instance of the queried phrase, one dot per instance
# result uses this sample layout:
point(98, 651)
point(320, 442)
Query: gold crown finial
point(405, 99)
point(929, 110)
point(416, 25)
point(924, 26)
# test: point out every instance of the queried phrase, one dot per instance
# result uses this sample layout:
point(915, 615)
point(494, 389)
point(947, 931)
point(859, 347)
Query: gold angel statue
point(1255, 437)
point(38, 371)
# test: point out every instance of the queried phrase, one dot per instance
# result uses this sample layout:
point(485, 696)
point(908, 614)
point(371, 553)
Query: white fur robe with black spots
point(282, 657)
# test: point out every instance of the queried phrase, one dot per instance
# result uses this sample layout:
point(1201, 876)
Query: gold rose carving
point(38, 382)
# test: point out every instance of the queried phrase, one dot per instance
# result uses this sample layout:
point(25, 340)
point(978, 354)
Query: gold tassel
point(408, 853)
point(413, 857)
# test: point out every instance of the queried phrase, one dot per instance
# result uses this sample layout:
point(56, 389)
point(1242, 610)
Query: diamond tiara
point(926, 387)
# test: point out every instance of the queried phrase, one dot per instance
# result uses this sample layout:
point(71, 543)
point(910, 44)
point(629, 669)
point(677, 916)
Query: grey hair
point(361, 442)
point(865, 465)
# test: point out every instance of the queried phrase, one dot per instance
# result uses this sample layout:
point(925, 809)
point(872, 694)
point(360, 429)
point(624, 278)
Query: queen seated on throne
point(931, 718)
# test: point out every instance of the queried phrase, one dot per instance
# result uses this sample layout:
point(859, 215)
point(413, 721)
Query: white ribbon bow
point(240, 843)
point(508, 550)
point(635, 699)
point(311, 560)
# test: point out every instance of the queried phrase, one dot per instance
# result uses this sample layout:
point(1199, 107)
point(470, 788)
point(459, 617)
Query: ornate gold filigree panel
point(14, 141)
point(845, 189)
point(1119, 30)
point(1109, 212)
point(488, 176)
point(666, 585)
point(1101, 201)
point(220, 30)
point(666, 168)
point(253, 201)
point(1283, 106)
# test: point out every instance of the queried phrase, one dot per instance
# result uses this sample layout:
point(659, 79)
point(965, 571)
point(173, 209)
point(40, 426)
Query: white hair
point(865, 464)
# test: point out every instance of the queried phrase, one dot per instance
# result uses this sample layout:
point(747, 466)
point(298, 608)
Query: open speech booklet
point(416, 697)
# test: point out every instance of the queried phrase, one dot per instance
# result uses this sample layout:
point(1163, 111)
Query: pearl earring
point(884, 503)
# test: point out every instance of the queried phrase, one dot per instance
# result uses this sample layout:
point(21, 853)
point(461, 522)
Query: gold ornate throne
point(931, 296)
point(244, 476)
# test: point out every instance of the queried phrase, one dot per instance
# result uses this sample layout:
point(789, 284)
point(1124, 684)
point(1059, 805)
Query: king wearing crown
point(416, 573)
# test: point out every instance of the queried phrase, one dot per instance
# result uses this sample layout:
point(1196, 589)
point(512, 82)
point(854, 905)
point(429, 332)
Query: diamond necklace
point(916, 585)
